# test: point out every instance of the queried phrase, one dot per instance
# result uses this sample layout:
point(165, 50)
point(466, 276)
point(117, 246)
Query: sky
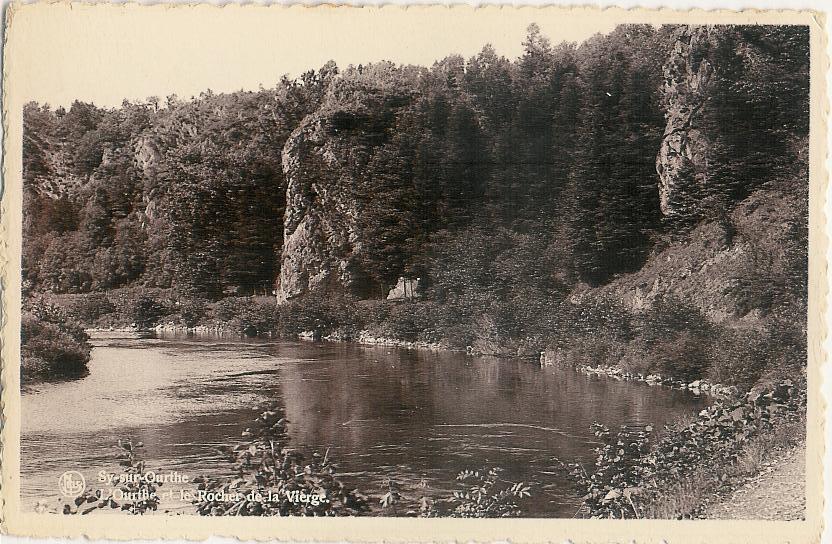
point(106, 56)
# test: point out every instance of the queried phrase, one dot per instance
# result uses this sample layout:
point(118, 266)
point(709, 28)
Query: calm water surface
point(384, 413)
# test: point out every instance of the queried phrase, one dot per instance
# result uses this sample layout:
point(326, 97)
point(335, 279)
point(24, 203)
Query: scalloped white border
point(17, 43)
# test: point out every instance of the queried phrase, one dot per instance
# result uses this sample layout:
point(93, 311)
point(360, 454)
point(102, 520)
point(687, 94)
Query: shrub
point(247, 315)
point(683, 355)
point(318, 313)
point(769, 354)
point(90, 308)
point(52, 349)
point(126, 300)
point(482, 494)
point(132, 482)
point(600, 350)
point(619, 473)
point(271, 479)
point(629, 475)
point(414, 321)
point(228, 308)
point(459, 335)
point(487, 496)
point(671, 338)
point(146, 311)
point(256, 318)
point(192, 311)
point(492, 338)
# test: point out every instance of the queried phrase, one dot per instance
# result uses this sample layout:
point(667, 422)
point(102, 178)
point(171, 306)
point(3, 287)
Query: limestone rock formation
point(323, 160)
point(319, 223)
point(728, 283)
point(146, 156)
point(146, 153)
point(682, 159)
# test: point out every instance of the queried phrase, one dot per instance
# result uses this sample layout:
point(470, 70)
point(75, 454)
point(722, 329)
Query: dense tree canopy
point(487, 173)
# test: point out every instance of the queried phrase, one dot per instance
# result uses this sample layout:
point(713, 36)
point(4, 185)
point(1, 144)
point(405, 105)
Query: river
point(416, 417)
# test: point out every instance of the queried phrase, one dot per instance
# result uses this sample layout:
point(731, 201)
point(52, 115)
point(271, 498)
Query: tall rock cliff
point(319, 224)
point(748, 262)
point(323, 160)
point(682, 158)
point(146, 157)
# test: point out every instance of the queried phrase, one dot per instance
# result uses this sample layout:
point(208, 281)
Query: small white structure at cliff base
point(406, 289)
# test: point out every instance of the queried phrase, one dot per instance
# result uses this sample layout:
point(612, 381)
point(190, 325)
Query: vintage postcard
point(428, 274)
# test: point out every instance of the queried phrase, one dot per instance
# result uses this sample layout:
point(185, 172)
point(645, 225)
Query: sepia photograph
point(543, 271)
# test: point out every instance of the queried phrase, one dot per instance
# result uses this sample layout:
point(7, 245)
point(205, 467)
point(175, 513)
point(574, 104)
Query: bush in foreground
point(133, 483)
point(631, 477)
point(273, 480)
point(51, 348)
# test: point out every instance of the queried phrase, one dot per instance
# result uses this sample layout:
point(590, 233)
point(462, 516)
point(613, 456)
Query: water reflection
point(382, 413)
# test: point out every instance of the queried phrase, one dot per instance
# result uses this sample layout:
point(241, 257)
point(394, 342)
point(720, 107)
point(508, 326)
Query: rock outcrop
point(57, 181)
point(406, 289)
point(146, 156)
point(319, 222)
point(682, 159)
point(726, 282)
point(324, 160)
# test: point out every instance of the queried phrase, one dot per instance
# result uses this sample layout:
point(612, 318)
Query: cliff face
point(323, 160)
point(730, 264)
point(681, 161)
point(319, 223)
point(57, 179)
point(146, 157)
point(54, 178)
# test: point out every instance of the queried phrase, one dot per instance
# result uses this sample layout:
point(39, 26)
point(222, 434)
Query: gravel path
point(778, 492)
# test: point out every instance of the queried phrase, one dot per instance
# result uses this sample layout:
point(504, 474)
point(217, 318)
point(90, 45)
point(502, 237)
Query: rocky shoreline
point(366, 338)
point(697, 387)
point(170, 328)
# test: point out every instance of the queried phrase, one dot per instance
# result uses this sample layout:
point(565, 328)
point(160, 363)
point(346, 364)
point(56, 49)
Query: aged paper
point(331, 341)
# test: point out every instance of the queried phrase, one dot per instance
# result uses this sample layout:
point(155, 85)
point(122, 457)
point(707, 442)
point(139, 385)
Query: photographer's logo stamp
point(71, 483)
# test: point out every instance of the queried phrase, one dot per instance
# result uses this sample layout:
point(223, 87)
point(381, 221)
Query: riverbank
point(668, 343)
point(681, 470)
point(52, 348)
point(405, 325)
point(368, 338)
point(363, 337)
point(697, 387)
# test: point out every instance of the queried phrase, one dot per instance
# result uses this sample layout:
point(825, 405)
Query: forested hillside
point(576, 189)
